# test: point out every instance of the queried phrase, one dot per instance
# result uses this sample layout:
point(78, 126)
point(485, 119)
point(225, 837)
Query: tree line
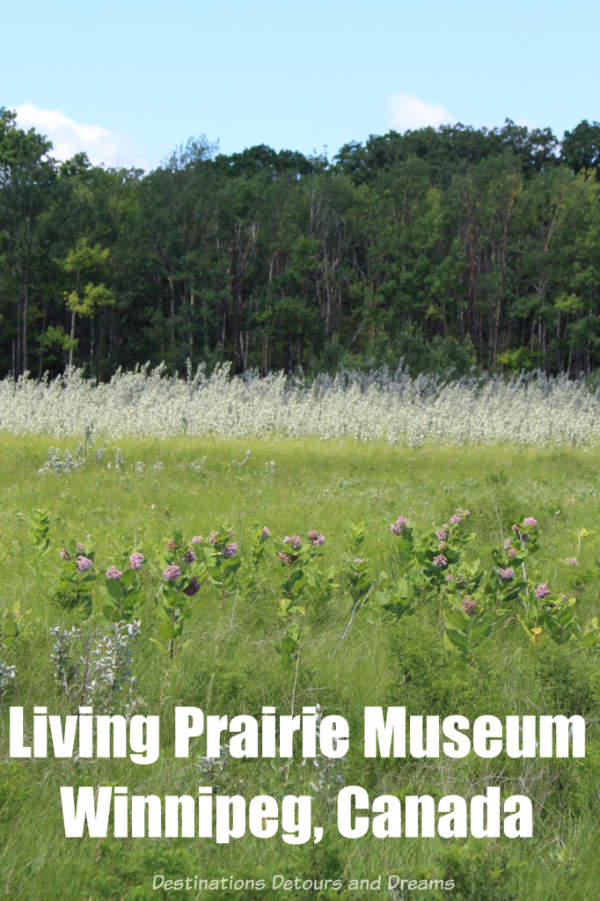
point(447, 248)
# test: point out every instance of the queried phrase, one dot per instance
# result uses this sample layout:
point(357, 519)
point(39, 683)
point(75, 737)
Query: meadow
point(293, 572)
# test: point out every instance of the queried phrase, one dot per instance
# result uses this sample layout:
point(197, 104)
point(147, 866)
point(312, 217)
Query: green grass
point(227, 661)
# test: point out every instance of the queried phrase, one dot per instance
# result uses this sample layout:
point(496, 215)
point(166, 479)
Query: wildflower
point(285, 558)
point(135, 560)
point(113, 573)
point(230, 550)
point(571, 561)
point(507, 573)
point(440, 561)
point(515, 527)
point(315, 537)
point(469, 606)
point(172, 572)
point(542, 591)
point(65, 554)
point(265, 533)
point(171, 545)
point(530, 521)
point(455, 519)
point(83, 564)
point(189, 557)
point(197, 539)
point(399, 526)
point(449, 577)
point(512, 552)
point(294, 541)
point(507, 543)
point(357, 561)
point(442, 534)
point(193, 588)
point(213, 538)
point(80, 548)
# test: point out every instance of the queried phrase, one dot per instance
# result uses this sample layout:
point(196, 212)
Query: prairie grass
point(227, 661)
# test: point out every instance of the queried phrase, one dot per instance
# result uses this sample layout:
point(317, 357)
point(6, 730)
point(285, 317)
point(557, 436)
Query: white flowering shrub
point(528, 409)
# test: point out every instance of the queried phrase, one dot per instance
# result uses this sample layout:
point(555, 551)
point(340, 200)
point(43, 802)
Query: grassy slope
point(229, 663)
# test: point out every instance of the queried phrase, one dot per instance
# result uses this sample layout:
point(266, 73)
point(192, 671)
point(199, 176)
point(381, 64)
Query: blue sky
point(129, 82)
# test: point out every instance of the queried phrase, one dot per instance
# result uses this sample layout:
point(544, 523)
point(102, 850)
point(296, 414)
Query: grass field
point(332, 643)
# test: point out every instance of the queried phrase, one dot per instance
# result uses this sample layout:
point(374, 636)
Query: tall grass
point(526, 410)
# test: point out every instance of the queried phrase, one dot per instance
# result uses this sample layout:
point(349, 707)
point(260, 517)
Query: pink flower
point(571, 561)
point(135, 560)
point(213, 538)
point(442, 534)
point(285, 558)
point(512, 552)
point(294, 541)
point(265, 532)
point(455, 519)
point(315, 537)
point(83, 564)
point(507, 573)
point(530, 521)
point(113, 573)
point(80, 548)
point(440, 561)
point(172, 572)
point(197, 539)
point(230, 550)
point(189, 557)
point(171, 545)
point(507, 543)
point(469, 606)
point(65, 554)
point(399, 526)
point(542, 591)
point(357, 561)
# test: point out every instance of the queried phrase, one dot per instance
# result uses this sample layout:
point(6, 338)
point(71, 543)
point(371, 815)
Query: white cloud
point(405, 111)
point(69, 137)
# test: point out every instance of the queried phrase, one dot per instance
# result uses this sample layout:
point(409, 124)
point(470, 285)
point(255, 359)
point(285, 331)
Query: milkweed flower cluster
point(542, 591)
point(265, 532)
point(172, 572)
point(83, 564)
point(113, 573)
point(316, 538)
point(286, 558)
point(399, 526)
point(295, 541)
point(135, 560)
point(506, 573)
point(230, 550)
point(440, 561)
